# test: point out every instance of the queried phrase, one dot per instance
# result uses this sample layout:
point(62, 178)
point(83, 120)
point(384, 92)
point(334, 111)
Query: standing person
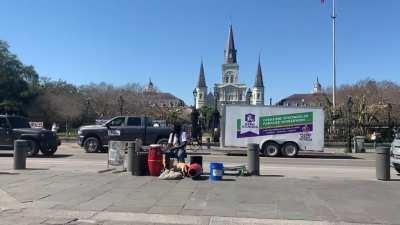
point(177, 143)
point(373, 138)
point(196, 129)
point(54, 128)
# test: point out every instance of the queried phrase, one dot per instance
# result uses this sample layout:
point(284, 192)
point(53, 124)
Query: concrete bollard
point(20, 149)
point(382, 163)
point(131, 156)
point(253, 159)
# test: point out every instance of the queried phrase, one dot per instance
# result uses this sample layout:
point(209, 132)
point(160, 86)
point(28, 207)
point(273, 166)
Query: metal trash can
point(131, 156)
point(116, 153)
point(382, 163)
point(21, 147)
point(140, 167)
point(253, 159)
point(359, 144)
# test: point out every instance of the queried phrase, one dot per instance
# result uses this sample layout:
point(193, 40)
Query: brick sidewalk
point(265, 197)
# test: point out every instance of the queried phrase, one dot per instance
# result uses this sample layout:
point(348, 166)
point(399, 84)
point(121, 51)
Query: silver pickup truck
point(94, 138)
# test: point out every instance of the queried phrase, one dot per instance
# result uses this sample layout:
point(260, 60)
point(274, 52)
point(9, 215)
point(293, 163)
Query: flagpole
point(333, 16)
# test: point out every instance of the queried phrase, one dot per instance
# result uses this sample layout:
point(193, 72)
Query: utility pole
point(333, 16)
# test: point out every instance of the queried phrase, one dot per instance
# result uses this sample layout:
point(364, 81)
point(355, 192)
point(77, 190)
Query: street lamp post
point(216, 97)
point(248, 96)
point(349, 107)
point(194, 98)
point(390, 127)
point(195, 119)
point(216, 111)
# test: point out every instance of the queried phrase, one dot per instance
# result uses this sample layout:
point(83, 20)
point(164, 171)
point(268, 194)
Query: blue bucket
point(216, 170)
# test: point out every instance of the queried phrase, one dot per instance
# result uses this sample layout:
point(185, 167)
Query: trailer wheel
point(271, 149)
point(290, 149)
point(396, 167)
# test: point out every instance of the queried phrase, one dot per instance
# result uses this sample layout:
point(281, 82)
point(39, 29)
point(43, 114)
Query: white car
point(395, 153)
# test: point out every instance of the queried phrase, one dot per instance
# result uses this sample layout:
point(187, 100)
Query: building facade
point(315, 99)
point(230, 90)
point(154, 97)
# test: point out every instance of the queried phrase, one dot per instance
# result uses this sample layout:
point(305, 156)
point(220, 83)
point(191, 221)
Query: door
point(151, 132)
point(115, 127)
point(134, 129)
point(5, 135)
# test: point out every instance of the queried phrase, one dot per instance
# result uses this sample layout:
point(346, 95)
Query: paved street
point(324, 188)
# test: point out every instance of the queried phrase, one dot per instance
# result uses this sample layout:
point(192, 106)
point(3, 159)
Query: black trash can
point(140, 167)
point(383, 163)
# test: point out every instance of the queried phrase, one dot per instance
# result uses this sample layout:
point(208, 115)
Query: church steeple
point(258, 88)
point(317, 88)
point(230, 51)
point(201, 82)
point(201, 95)
point(259, 77)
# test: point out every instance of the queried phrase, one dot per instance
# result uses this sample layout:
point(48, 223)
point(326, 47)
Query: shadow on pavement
point(271, 175)
point(38, 156)
point(8, 173)
point(206, 177)
point(326, 156)
point(198, 153)
point(307, 156)
point(54, 156)
point(36, 169)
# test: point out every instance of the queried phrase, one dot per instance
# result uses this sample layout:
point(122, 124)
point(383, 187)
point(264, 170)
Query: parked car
point(395, 153)
point(16, 127)
point(95, 138)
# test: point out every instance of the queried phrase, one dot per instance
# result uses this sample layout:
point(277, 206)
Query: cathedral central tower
point(230, 68)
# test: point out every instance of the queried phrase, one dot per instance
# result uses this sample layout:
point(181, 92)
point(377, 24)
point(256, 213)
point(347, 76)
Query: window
point(258, 96)
point(226, 79)
point(134, 121)
point(18, 122)
point(3, 122)
point(117, 122)
point(231, 79)
point(149, 122)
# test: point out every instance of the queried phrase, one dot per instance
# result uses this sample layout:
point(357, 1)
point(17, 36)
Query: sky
point(126, 41)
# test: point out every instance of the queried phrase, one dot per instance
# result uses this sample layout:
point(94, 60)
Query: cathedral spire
point(230, 51)
point(317, 88)
point(259, 77)
point(202, 80)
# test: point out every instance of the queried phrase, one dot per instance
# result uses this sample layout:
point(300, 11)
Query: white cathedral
point(230, 91)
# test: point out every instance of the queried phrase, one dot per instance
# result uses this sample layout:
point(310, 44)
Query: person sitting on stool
point(177, 144)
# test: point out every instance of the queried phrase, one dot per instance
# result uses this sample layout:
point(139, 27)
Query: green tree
point(18, 83)
point(60, 102)
point(206, 113)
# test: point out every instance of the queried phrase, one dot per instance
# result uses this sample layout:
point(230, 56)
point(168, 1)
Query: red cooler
point(154, 160)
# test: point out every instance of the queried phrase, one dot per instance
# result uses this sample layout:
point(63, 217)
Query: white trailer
point(277, 130)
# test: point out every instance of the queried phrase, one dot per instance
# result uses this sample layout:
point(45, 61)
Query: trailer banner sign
point(275, 124)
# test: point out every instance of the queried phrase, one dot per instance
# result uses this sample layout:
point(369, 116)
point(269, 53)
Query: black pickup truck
point(94, 138)
point(16, 127)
